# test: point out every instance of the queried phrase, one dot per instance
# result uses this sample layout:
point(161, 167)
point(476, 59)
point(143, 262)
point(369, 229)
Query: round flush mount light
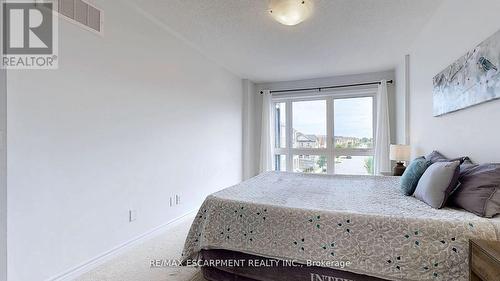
point(290, 12)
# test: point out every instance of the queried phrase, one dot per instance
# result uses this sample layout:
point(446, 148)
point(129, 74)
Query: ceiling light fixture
point(290, 12)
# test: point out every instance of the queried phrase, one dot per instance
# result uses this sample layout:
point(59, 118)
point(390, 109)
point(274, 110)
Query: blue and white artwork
point(472, 79)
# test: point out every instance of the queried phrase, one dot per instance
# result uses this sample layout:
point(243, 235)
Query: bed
point(362, 221)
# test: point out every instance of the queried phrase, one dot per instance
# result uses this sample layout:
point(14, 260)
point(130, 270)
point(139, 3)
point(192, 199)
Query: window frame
point(330, 151)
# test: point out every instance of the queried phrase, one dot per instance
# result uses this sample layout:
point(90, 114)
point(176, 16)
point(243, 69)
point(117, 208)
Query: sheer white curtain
point(267, 133)
point(382, 163)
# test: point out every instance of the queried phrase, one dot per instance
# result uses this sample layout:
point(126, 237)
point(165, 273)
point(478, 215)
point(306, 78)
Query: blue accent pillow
point(412, 175)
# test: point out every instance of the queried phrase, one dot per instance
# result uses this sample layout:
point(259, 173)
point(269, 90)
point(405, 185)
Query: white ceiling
point(341, 37)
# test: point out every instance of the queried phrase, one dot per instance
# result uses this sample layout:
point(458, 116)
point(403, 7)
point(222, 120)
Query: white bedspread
point(361, 219)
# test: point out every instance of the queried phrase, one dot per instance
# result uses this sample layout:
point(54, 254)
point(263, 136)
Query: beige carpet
point(134, 264)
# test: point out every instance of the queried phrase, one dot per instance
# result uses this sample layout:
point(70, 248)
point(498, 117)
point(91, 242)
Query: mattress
point(279, 271)
point(360, 222)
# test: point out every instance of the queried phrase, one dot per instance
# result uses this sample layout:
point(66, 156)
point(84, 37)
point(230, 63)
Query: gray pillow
point(412, 174)
point(437, 183)
point(479, 190)
point(436, 156)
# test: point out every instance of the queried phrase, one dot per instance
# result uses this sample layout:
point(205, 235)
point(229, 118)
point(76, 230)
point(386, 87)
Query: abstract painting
point(472, 79)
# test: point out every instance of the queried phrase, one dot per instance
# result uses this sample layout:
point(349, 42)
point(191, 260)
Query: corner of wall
point(402, 99)
point(3, 175)
point(245, 127)
point(249, 131)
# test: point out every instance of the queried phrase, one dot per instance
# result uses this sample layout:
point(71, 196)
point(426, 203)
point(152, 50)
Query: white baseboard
point(78, 270)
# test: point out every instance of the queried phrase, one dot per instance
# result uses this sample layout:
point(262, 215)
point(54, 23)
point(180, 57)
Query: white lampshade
point(290, 12)
point(400, 152)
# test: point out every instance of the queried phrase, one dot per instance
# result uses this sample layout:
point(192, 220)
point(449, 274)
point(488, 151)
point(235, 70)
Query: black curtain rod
point(319, 89)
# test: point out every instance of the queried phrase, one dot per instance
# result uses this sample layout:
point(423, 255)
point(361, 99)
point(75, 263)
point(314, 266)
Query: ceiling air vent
point(82, 13)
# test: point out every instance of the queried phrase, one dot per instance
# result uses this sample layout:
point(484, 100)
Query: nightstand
point(484, 260)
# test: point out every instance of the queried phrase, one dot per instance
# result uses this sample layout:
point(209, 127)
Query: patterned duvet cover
point(362, 221)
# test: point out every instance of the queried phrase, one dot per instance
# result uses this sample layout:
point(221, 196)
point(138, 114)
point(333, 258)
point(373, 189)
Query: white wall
point(128, 120)
point(457, 26)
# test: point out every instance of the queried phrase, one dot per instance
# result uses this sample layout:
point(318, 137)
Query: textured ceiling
point(341, 37)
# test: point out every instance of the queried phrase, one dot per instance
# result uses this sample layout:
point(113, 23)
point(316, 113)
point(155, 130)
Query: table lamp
point(399, 153)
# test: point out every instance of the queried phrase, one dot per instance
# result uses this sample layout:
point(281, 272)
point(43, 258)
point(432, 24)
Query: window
point(309, 164)
point(353, 122)
point(333, 134)
point(309, 124)
point(280, 128)
point(354, 165)
point(279, 162)
point(353, 135)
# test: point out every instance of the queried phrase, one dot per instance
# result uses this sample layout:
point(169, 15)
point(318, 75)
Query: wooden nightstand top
point(484, 260)
point(491, 248)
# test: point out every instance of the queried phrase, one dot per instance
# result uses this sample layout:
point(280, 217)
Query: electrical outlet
point(177, 199)
point(132, 215)
point(171, 202)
